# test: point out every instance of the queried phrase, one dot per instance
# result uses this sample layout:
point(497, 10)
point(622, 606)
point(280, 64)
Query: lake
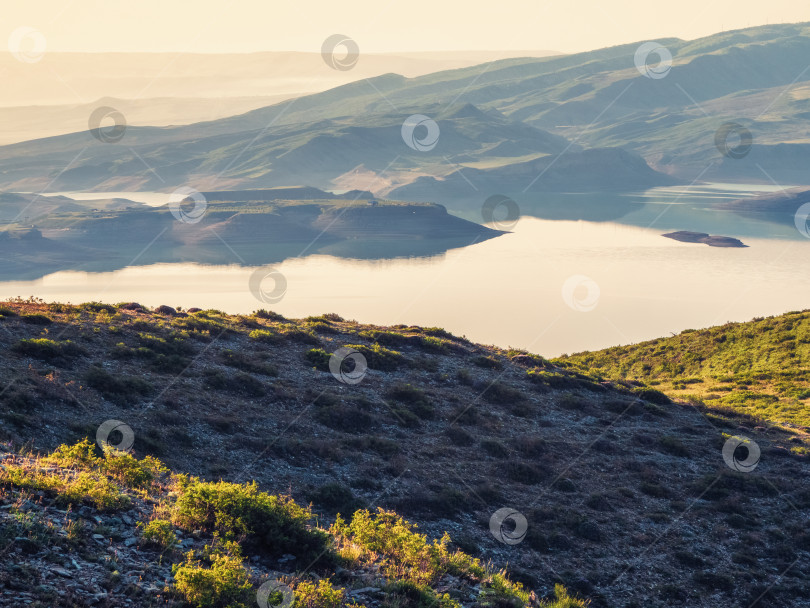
point(554, 285)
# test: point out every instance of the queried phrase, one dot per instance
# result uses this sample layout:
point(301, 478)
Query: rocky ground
point(627, 496)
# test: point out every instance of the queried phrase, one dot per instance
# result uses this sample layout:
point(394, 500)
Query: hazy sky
point(381, 25)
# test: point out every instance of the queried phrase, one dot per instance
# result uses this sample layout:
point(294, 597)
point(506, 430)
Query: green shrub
point(674, 446)
point(494, 448)
point(7, 312)
point(200, 324)
point(36, 319)
point(389, 338)
point(523, 472)
point(122, 389)
point(435, 345)
point(417, 401)
point(219, 581)
point(97, 307)
point(378, 357)
point(558, 380)
point(334, 498)
point(158, 534)
point(502, 394)
point(269, 315)
point(79, 455)
point(240, 383)
point(171, 343)
point(562, 599)
point(346, 418)
point(318, 358)
point(459, 436)
point(46, 349)
point(652, 395)
point(296, 334)
point(487, 362)
point(407, 554)
point(405, 594)
point(273, 524)
point(320, 595)
point(71, 489)
point(130, 471)
point(265, 335)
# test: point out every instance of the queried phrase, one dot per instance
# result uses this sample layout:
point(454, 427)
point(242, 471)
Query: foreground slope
point(627, 496)
point(109, 529)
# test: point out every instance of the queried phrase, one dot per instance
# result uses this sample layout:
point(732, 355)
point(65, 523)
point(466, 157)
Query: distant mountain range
point(583, 122)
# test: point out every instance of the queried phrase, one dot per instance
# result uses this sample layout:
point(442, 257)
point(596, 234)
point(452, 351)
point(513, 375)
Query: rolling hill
point(760, 368)
point(502, 113)
point(629, 498)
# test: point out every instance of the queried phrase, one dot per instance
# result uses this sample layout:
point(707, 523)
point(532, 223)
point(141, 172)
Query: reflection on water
point(665, 209)
point(505, 291)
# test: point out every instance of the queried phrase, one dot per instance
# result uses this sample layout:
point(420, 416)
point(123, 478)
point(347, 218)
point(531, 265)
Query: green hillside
point(760, 368)
point(627, 495)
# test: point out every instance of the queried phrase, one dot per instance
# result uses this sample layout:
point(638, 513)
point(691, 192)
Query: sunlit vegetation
point(760, 368)
point(240, 521)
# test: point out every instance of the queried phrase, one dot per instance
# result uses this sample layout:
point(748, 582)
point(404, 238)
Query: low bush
point(36, 319)
point(334, 498)
point(318, 595)
point(121, 389)
point(652, 395)
point(46, 349)
point(523, 472)
point(487, 362)
point(266, 336)
point(347, 418)
point(417, 401)
point(318, 358)
point(269, 315)
point(214, 580)
point(158, 534)
point(274, 525)
point(170, 343)
point(379, 357)
point(240, 383)
point(459, 436)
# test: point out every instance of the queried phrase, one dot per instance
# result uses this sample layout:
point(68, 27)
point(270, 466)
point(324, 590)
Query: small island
point(686, 236)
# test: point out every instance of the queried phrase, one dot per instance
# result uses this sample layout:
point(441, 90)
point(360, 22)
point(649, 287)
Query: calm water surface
point(508, 291)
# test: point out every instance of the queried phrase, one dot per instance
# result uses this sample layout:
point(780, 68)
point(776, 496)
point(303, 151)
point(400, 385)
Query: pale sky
point(381, 25)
